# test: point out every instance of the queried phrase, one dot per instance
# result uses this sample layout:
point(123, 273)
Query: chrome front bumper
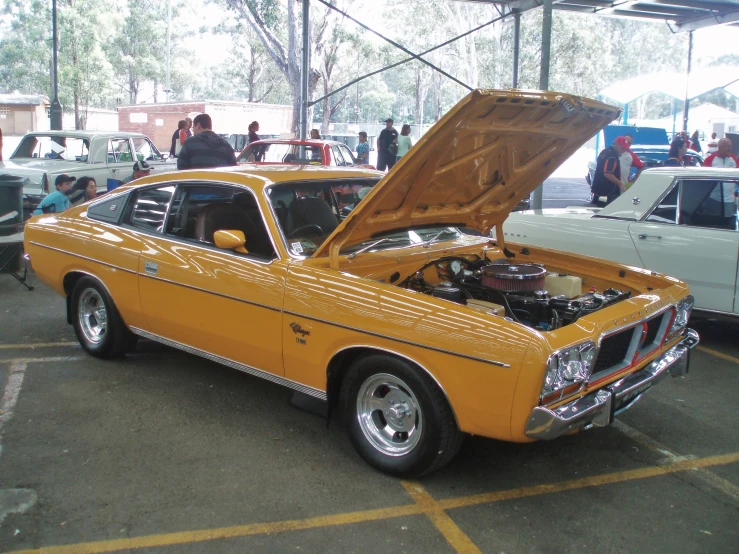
point(599, 408)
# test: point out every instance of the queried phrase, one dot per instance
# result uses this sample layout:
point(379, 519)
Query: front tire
point(97, 323)
point(397, 418)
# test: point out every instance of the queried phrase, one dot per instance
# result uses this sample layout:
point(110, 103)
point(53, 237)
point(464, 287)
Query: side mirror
point(230, 240)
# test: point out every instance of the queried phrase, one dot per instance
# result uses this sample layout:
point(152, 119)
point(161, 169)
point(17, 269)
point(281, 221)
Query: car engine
point(514, 290)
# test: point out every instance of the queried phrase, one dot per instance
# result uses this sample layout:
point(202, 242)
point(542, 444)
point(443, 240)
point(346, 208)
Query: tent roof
point(682, 15)
point(673, 84)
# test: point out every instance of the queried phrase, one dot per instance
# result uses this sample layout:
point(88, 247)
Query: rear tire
point(397, 418)
point(97, 323)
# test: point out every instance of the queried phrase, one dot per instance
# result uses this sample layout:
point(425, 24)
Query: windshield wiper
point(615, 217)
point(372, 245)
point(428, 242)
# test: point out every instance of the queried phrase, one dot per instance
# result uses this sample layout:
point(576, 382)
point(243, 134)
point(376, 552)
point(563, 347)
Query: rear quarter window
point(109, 210)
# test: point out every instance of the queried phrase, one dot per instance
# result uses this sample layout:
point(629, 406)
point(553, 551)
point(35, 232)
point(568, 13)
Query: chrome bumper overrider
point(599, 408)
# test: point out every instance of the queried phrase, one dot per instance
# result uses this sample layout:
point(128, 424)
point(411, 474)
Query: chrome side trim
point(83, 257)
point(411, 360)
point(706, 312)
point(316, 393)
point(401, 341)
point(258, 305)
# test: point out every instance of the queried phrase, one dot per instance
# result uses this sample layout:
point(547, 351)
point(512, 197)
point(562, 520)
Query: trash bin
point(11, 216)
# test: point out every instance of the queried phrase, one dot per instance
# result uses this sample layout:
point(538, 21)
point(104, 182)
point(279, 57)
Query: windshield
point(308, 212)
point(281, 153)
point(71, 149)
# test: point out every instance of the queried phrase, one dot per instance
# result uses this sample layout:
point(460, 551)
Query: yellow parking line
point(595, 481)
point(36, 345)
point(718, 354)
point(441, 520)
point(186, 537)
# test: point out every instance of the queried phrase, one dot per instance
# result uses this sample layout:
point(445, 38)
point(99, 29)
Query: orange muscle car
point(403, 315)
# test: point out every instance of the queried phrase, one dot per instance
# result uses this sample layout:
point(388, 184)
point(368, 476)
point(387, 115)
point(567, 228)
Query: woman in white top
point(404, 142)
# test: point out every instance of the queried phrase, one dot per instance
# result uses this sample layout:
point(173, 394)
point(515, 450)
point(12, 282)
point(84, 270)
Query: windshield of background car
point(145, 150)
point(308, 212)
point(281, 153)
point(71, 149)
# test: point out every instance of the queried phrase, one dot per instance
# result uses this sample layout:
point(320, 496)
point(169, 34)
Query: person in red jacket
point(722, 157)
point(628, 159)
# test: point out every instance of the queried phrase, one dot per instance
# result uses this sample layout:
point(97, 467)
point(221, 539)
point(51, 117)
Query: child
point(57, 201)
point(363, 149)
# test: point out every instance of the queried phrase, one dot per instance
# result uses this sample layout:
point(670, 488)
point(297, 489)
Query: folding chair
point(6, 243)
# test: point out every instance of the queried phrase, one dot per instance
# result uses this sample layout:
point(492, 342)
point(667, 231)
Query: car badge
point(113, 207)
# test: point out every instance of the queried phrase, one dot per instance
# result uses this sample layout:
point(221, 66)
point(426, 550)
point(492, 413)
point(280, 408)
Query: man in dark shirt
point(205, 149)
point(607, 179)
point(385, 156)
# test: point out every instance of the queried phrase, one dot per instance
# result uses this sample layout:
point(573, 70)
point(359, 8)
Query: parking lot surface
point(165, 452)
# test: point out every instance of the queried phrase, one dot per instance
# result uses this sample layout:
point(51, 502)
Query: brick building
point(159, 121)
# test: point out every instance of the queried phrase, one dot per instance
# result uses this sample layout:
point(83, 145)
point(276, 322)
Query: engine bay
point(524, 292)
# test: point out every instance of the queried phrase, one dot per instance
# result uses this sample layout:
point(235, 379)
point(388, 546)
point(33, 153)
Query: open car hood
point(470, 169)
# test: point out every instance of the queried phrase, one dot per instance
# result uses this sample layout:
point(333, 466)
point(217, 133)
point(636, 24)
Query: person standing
point(404, 142)
point(57, 201)
point(188, 129)
point(722, 157)
point(607, 179)
point(695, 141)
point(678, 148)
point(628, 160)
point(315, 134)
point(253, 128)
point(712, 144)
point(178, 138)
point(205, 148)
point(363, 149)
point(385, 150)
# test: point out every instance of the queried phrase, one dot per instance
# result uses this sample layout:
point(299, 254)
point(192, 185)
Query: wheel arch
point(344, 357)
point(70, 281)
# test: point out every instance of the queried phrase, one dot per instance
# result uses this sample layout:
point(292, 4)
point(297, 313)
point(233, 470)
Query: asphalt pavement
point(164, 452)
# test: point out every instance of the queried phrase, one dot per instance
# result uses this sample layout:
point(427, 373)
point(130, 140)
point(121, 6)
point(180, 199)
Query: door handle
point(644, 236)
point(151, 268)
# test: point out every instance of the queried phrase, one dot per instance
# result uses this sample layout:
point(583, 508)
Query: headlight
point(567, 369)
point(682, 315)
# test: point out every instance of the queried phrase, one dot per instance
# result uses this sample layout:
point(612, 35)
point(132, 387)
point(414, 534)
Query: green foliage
point(25, 48)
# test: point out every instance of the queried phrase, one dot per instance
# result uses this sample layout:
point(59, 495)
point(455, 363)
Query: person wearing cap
point(628, 160)
point(607, 179)
point(363, 149)
point(385, 154)
point(205, 149)
point(57, 201)
point(140, 169)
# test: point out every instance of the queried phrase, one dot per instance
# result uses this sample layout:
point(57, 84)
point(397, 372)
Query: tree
point(25, 50)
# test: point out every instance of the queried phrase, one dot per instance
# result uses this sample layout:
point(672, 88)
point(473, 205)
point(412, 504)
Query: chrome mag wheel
point(93, 316)
point(389, 414)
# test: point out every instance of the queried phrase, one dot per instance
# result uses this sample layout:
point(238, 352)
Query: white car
point(678, 221)
point(43, 155)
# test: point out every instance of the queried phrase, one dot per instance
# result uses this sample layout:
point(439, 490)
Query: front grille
point(653, 326)
point(613, 350)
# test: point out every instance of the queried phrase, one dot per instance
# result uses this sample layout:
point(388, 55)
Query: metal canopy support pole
point(516, 46)
point(169, 48)
point(304, 70)
point(687, 81)
point(55, 110)
point(626, 114)
point(546, 39)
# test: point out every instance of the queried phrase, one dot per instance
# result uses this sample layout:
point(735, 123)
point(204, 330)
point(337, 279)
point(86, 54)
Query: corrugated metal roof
point(682, 15)
point(23, 99)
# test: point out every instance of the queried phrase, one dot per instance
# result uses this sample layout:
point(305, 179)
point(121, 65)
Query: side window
point(145, 150)
point(149, 208)
point(666, 210)
point(709, 204)
point(348, 157)
point(199, 210)
point(338, 156)
point(119, 150)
